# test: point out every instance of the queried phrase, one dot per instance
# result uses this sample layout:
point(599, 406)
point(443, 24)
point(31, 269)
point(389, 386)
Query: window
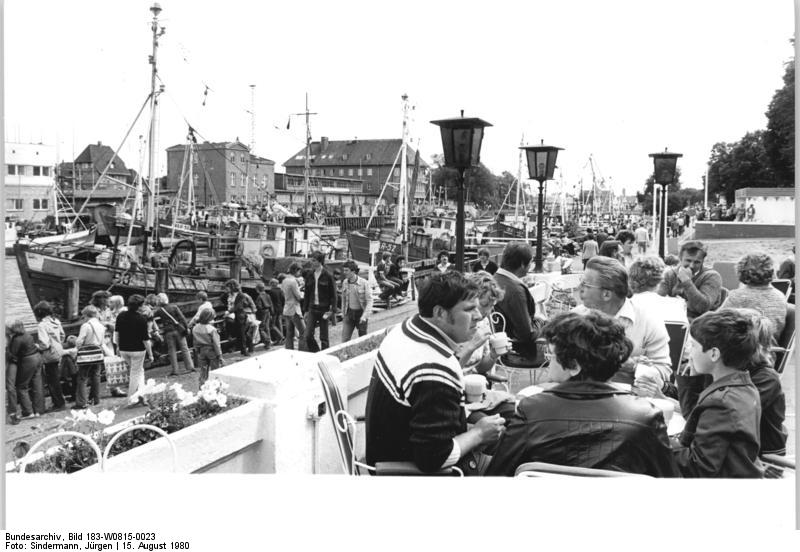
point(264, 181)
point(341, 172)
point(241, 180)
point(396, 173)
point(241, 158)
point(349, 172)
point(37, 171)
point(233, 157)
point(46, 171)
point(344, 156)
point(368, 156)
point(369, 172)
point(39, 204)
point(360, 171)
point(233, 178)
point(14, 204)
point(11, 169)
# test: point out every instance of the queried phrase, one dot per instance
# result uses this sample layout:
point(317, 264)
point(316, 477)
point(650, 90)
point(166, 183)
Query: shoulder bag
point(90, 354)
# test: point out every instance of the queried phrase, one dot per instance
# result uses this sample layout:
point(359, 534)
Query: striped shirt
point(415, 404)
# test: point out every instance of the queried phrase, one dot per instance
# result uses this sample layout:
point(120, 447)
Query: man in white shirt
point(641, 239)
point(605, 287)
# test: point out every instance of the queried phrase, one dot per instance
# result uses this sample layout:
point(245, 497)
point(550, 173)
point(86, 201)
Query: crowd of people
point(610, 376)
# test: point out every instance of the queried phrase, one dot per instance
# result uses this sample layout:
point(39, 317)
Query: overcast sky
point(612, 79)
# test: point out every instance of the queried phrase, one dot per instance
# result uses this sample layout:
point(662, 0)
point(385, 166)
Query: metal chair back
point(678, 334)
point(544, 469)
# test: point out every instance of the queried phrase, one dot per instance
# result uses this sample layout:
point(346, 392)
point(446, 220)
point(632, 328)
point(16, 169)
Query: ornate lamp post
point(461, 142)
point(541, 164)
point(664, 165)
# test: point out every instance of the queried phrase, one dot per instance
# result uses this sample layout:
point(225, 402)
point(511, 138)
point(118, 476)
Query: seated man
point(584, 421)
point(699, 286)
point(721, 436)
point(389, 288)
point(483, 262)
point(605, 287)
point(395, 275)
point(518, 306)
point(415, 404)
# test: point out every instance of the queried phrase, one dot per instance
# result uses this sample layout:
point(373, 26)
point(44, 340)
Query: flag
point(288, 123)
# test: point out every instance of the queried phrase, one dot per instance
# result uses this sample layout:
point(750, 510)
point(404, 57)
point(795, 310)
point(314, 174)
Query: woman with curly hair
point(644, 276)
point(584, 421)
point(476, 355)
point(756, 271)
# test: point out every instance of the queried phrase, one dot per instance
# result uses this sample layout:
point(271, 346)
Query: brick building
point(369, 161)
point(222, 172)
point(29, 180)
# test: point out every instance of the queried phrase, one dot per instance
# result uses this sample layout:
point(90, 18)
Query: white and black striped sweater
point(415, 405)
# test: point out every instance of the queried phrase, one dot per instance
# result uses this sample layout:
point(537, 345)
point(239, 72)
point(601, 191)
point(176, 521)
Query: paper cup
point(499, 343)
point(474, 387)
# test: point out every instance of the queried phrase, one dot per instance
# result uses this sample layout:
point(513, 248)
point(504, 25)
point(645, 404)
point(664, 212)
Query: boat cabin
point(282, 239)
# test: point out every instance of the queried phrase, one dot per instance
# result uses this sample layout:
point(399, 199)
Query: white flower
point(91, 416)
point(105, 417)
point(222, 400)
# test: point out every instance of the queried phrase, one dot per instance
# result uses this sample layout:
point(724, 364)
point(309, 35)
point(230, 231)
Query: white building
point(29, 180)
point(772, 205)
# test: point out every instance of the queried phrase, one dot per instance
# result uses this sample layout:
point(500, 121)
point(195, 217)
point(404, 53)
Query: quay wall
point(718, 230)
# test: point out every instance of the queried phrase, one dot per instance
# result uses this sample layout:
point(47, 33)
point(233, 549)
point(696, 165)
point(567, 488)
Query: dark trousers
point(52, 372)
point(90, 372)
point(402, 285)
point(294, 323)
point(265, 319)
point(238, 329)
point(314, 317)
point(351, 321)
point(30, 391)
point(11, 388)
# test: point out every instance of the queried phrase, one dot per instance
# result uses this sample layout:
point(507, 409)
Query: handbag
point(90, 354)
point(118, 371)
point(177, 325)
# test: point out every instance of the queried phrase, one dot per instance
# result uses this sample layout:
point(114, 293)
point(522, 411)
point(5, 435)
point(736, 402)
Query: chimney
point(324, 143)
point(99, 143)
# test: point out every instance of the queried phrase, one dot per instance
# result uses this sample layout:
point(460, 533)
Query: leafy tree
point(779, 138)
point(738, 165)
point(646, 198)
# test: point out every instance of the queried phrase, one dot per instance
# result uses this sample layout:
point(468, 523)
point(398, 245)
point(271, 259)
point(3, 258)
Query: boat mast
point(151, 169)
point(519, 180)
point(402, 192)
point(306, 163)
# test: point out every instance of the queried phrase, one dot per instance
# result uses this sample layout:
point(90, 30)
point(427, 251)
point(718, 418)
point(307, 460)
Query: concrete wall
point(711, 230)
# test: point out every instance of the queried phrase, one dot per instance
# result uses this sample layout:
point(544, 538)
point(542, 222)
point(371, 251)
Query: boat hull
point(48, 277)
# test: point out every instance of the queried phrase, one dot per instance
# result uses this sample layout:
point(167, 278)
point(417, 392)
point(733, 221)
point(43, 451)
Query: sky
point(614, 80)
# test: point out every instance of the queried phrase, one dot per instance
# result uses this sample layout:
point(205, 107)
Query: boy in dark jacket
point(722, 437)
point(264, 313)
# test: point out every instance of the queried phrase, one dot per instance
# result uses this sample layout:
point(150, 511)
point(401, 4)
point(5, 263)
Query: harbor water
point(14, 299)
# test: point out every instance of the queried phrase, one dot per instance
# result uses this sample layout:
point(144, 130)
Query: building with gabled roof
point(80, 179)
point(222, 172)
point(371, 161)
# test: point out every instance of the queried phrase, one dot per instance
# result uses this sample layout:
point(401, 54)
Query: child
point(721, 437)
point(206, 343)
point(768, 382)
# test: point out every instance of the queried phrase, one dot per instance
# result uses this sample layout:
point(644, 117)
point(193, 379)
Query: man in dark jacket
point(264, 313)
point(276, 295)
point(584, 421)
point(483, 262)
point(518, 307)
point(319, 302)
point(239, 306)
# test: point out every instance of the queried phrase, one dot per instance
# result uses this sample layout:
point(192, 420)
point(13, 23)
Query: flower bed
point(170, 408)
point(357, 347)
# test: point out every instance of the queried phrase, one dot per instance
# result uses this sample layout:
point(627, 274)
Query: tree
point(482, 187)
point(741, 164)
point(779, 138)
point(646, 198)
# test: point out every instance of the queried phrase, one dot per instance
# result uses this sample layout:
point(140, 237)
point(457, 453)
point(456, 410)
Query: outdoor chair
point(678, 334)
point(345, 427)
point(727, 269)
point(785, 346)
point(543, 469)
point(784, 285)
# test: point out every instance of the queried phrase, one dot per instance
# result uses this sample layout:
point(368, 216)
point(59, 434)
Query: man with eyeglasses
point(604, 287)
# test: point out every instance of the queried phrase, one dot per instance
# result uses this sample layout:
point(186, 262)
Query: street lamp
point(664, 165)
point(461, 142)
point(541, 164)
